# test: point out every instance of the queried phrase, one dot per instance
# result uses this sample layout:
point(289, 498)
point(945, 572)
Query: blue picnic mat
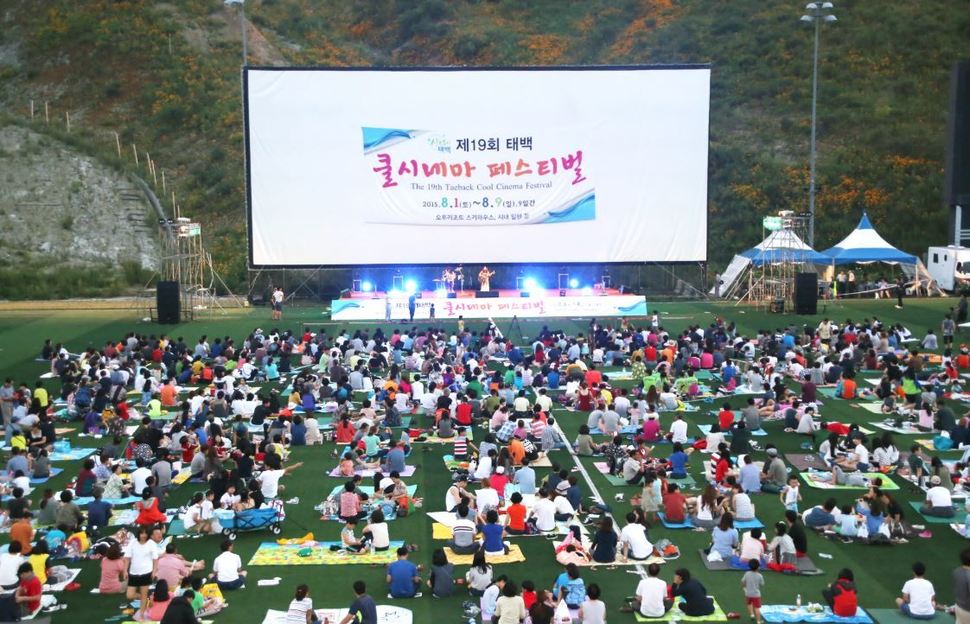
point(788, 613)
point(687, 524)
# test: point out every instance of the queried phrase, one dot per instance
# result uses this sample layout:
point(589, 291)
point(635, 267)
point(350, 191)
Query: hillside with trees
point(165, 76)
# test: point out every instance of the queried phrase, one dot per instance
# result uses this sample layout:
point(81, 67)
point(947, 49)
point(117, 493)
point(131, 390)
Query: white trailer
point(949, 266)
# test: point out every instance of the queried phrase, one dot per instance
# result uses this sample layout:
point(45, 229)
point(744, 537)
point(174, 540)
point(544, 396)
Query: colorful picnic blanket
point(273, 554)
point(813, 478)
point(791, 613)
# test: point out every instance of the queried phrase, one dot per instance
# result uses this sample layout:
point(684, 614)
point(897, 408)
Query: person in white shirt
point(678, 429)
point(141, 555)
point(938, 500)
point(227, 570)
point(139, 478)
point(919, 598)
point(564, 509)
point(193, 520)
point(301, 607)
point(10, 561)
point(544, 512)
point(633, 539)
point(651, 595)
point(486, 498)
point(269, 480)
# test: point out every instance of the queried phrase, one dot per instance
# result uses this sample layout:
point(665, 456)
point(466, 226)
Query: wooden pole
point(164, 190)
point(154, 176)
point(67, 117)
point(31, 110)
point(118, 143)
point(134, 150)
point(174, 208)
point(47, 112)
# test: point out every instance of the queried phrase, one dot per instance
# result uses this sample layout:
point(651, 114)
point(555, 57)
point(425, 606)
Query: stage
point(470, 304)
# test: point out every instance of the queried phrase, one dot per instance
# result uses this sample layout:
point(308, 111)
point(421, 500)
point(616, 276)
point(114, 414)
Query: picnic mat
point(900, 430)
point(927, 443)
point(176, 528)
point(895, 616)
point(806, 461)
point(625, 430)
point(804, 565)
point(386, 614)
point(182, 476)
point(72, 455)
point(326, 422)
point(789, 613)
point(676, 615)
point(42, 480)
point(810, 480)
point(515, 556)
point(56, 587)
point(706, 429)
point(123, 517)
point(81, 501)
point(273, 554)
point(959, 515)
point(688, 524)
point(604, 469)
point(370, 472)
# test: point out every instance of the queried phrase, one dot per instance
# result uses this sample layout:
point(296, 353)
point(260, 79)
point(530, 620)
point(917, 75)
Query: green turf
point(879, 571)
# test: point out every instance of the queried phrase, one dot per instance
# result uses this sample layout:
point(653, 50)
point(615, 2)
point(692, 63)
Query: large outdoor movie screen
point(442, 166)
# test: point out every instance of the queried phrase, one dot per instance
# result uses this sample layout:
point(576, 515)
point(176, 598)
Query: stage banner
point(438, 178)
point(396, 308)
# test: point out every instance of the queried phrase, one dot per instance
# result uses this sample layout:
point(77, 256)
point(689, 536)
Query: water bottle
point(798, 601)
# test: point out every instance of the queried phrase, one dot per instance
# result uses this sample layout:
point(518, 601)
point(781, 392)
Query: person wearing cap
point(939, 502)
point(775, 475)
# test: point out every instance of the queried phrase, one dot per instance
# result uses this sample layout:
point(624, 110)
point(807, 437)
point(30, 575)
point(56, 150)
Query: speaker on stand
point(168, 303)
point(806, 293)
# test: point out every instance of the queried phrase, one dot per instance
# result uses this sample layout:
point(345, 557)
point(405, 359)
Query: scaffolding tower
point(771, 278)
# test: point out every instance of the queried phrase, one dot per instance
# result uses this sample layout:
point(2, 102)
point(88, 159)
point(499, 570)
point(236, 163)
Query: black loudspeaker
point(167, 303)
point(488, 294)
point(957, 186)
point(806, 293)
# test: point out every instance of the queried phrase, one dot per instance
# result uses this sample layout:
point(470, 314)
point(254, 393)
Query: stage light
point(410, 287)
point(587, 291)
point(441, 293)
point(574, 283)
point(366, 286)
point(530, 284)
point(394, 292)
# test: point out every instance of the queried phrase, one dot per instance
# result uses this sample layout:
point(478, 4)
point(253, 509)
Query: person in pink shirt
point(160, 600)
point(114, 570)
point(172, 567)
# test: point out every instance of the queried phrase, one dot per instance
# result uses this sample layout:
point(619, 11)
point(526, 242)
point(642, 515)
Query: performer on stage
point(483, 278)
point(448, 276)
point(460, 277)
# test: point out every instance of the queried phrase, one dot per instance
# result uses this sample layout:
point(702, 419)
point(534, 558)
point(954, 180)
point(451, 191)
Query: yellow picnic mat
point(182, 476)
point(515, 556)
point(273, 554)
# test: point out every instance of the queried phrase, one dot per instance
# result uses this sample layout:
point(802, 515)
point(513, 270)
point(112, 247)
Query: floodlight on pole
point(817, 12)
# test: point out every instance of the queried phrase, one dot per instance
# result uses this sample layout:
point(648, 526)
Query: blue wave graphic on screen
point(584, 209)
point(339, 306)
point(638, 308)
point(374, 137)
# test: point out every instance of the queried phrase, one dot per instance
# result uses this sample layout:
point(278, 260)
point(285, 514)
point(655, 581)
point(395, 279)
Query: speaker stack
point(168, 303)
point(806, 293)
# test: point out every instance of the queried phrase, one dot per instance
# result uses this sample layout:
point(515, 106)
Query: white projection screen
point(437, 166)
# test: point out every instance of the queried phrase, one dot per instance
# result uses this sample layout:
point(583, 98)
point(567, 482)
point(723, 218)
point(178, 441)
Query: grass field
point(880, 571)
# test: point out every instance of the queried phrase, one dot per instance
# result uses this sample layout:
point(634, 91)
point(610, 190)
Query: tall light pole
point(242, 24)
point(817, 13)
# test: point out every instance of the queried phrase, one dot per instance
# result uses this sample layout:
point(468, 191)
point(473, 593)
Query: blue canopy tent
point(864, 244)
